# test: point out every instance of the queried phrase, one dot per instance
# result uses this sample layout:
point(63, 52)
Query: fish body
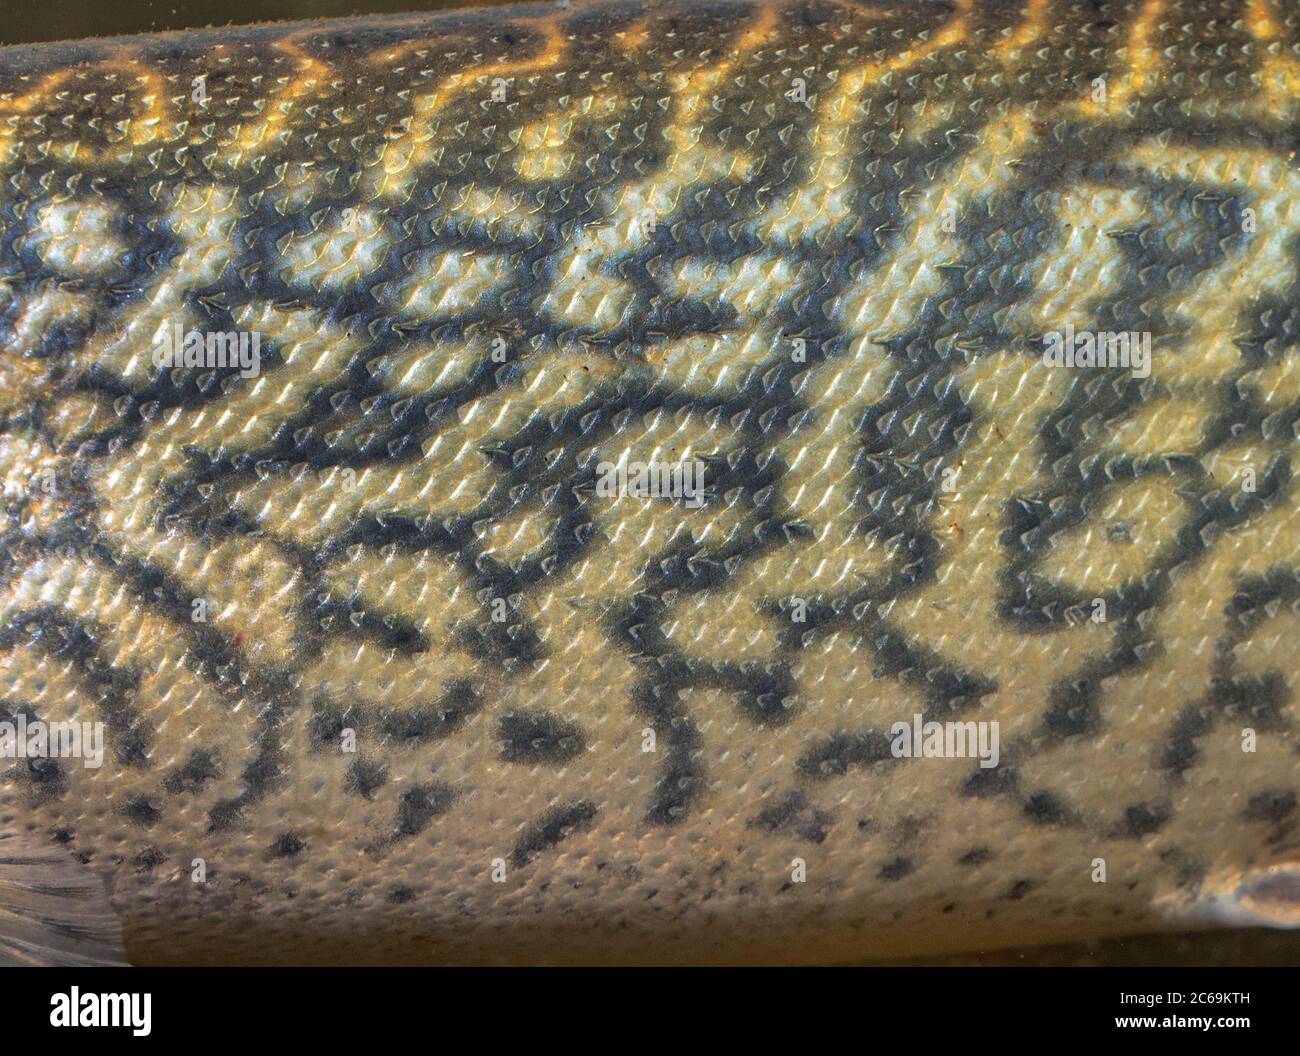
point(715, 482)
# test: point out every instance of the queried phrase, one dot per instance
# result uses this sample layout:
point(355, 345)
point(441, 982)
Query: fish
point(735, 482)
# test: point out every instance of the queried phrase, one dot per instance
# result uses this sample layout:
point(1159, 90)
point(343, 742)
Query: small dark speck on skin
point(1019, 889)
point(897, 869)
point(287, 845)
point(975, 856)
point(793, 813)
point(198, 769)
point(1142, 819)
point(1043, 808)
point(421, 804)
point(399, 896)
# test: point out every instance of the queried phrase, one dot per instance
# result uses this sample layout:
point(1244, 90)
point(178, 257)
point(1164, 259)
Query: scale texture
point(387, 677)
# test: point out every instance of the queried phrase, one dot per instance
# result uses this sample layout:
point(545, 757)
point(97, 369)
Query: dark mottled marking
point(839, 753)
point(793, 813)
point(897, 869)
point(420, 805)
point(538, 737)
point(1044, 808)
point(433, 721)
point(1142, 819)
point(1271, 806)
point(922, 420)
point(200, 768)
point(1019, 890)
point(551, 828)
point(141, 811)
point(223, 815)
point(366, 777)
point(986, 782)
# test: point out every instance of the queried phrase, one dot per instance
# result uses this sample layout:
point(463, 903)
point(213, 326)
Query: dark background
point(25, 21)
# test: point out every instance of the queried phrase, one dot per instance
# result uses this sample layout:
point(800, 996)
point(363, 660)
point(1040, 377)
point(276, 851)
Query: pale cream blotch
point(79, 415)
point(1000, 461)
point(731, 625)
point(1264, 265)
point(544, 152)
point(24, 373)
point(1084, 262)
point(885, 299)
point(248, 415)
point(501, 213)
point(1126, 532)
point(584, 292)
point(423, 367)
point(1160, 425)
point(47, 306)
point(79, 237)
point(522, 533)
point(297, 184)
point(587, 291)
point(446, 283)
point(544, 149)
point(33, 477)
point(629, 527)
point(450, 476)
point(344, 247)
point(822, 203)
point(429, 590)
point(1276, 385)
point(1239, 466)
point(709, 363)
point(203, 219)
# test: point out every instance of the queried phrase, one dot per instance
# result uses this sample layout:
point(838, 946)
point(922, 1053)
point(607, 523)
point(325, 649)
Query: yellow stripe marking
point(1028, 32)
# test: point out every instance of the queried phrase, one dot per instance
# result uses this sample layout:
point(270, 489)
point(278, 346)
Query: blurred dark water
point(26, 21)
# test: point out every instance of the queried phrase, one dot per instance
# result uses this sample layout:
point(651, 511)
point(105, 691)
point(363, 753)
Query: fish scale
point(606, 482)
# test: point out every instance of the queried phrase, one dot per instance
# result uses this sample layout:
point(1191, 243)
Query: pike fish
point(762, 481)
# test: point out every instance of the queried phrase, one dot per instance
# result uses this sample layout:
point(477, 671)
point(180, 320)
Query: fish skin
point(815, 245)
